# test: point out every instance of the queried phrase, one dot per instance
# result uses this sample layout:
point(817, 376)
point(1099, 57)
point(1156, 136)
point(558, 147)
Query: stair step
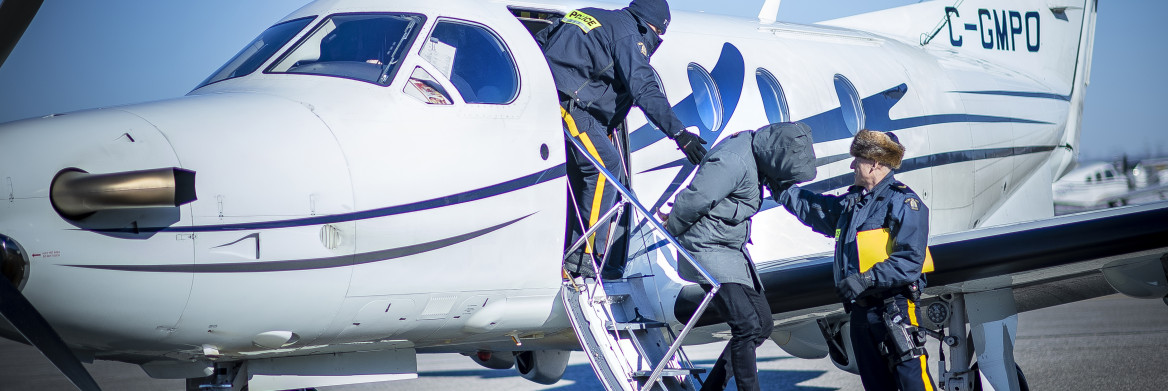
point(671, 372)
point(630, 326)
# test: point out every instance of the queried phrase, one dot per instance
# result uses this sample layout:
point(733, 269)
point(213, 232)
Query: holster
point(904, 342)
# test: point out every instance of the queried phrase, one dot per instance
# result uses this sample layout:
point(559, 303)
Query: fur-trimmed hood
point(882, 147)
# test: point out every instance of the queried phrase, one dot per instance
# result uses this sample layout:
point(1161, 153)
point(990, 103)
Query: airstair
point(620, 322)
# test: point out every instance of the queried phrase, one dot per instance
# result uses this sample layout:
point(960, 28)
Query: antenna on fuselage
point(770, 12)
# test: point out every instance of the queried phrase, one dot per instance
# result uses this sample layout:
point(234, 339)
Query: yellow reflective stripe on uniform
point(925, 373)
point(597, 196)
point(912, 319)
point(874, 247)
point(912, 313)
point(582, 20)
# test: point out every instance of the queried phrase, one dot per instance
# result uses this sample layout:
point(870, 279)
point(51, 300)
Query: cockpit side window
point(475, 61)
point(259, 50)
point(367, 47)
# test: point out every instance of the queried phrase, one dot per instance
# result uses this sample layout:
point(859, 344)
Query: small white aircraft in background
point(370, 180)
point(1101, 184)
point(1091, 185)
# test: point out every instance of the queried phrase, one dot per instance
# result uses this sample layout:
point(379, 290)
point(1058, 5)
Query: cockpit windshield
point(366, 46)
point(259, 50)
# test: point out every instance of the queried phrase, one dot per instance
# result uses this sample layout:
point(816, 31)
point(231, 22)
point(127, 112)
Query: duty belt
point(911, 292)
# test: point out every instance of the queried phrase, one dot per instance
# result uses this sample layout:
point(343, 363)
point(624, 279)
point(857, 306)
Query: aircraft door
point(468, 166)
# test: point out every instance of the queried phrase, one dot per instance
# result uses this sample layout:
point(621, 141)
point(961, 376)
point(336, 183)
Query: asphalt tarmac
point(1107, 343)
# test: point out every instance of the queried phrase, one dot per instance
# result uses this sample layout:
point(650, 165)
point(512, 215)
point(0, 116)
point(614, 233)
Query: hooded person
point(878, 286)
point(711, 219)
point(600, 63)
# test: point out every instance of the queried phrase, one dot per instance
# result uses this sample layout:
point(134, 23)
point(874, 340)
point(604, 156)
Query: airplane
point(367, 181)
point(1090, 185)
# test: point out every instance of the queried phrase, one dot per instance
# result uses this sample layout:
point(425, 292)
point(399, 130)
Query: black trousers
point(876, 371)
point(749, 315)
point(593, 193)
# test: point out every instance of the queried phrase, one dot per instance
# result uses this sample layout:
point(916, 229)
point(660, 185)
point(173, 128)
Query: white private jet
point(370, 180)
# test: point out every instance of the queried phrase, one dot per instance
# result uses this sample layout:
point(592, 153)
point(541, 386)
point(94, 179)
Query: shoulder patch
point(913, 203)
point(582, 20)
point(644, 51)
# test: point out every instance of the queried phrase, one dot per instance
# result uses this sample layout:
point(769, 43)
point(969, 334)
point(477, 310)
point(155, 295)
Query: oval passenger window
point(706, 97)
point(851, 107)
point(773, 99)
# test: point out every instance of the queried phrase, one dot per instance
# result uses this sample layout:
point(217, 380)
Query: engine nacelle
point(803, 340)
point(542, 366)
point(839, 344)
point(1146, 279)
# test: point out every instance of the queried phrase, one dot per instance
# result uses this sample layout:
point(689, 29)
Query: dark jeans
point(593, 194)
point(868, 331)
point(749, 316)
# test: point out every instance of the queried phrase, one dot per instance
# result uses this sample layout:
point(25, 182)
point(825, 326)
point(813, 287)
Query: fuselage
point(347, 212)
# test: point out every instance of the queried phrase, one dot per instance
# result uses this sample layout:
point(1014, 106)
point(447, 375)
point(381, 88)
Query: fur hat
point(882, 147)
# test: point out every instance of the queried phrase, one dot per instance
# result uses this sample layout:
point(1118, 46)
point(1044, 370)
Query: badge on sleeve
point(913, 203)
point(644, 51)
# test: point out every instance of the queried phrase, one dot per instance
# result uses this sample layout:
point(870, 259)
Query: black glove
point(779, 186)
point(851, 287)
point(691, 144)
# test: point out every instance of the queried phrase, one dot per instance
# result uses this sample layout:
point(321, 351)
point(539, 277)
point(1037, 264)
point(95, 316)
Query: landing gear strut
point(991, 333)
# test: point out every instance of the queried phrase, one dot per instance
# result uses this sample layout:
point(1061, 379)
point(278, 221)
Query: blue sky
point(80, 54)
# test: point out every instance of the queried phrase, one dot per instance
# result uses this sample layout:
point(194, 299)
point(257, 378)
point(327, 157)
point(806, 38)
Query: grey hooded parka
point(711, 216)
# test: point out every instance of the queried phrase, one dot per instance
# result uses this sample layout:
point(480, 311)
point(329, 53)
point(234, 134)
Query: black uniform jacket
point(600, 59)
point(891, 205)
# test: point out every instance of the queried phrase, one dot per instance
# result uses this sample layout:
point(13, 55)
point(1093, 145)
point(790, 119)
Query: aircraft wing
point(1045, 262)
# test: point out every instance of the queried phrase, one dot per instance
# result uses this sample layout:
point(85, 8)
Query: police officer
point(878, 282)
point(600, 62)
point(711, 219)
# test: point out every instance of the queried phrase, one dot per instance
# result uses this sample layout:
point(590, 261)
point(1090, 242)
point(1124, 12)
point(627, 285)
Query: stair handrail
point(656, 226)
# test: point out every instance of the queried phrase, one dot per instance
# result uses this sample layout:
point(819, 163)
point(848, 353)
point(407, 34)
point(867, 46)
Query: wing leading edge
point(1065, 256)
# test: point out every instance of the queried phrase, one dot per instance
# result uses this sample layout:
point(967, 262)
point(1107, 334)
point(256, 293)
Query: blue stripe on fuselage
point(1041, 95)
point(454, 199)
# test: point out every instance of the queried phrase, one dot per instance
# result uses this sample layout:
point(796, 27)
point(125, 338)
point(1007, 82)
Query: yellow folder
point(874, 247)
